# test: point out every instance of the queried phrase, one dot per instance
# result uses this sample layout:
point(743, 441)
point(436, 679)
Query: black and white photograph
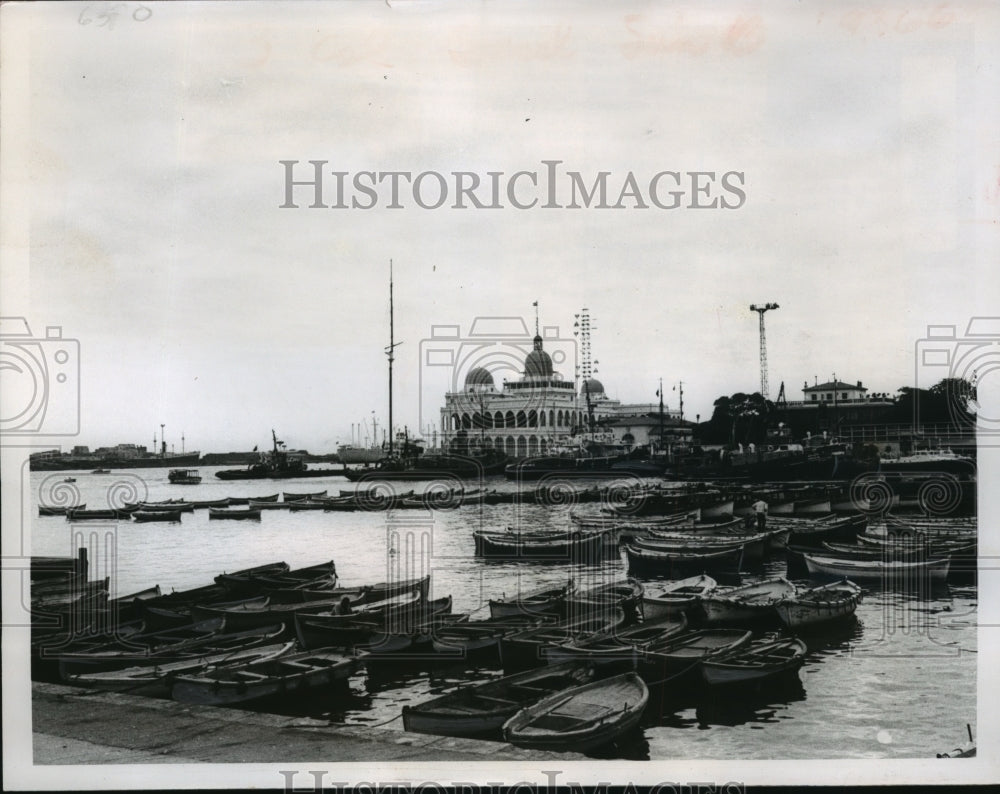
point(415, 393)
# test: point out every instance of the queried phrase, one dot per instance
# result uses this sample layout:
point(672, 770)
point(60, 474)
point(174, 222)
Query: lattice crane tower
point(763, 344)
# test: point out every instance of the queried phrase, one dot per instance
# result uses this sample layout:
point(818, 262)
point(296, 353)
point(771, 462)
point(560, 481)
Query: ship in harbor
point(120, 456)
point(349, 453)
point(277, 464)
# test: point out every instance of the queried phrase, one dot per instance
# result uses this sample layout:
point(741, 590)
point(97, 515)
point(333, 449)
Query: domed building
point(538, 413)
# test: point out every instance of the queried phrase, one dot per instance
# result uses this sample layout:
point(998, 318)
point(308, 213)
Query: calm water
point(900, 683)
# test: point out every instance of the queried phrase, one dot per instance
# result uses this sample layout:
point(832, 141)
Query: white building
point(538, 414)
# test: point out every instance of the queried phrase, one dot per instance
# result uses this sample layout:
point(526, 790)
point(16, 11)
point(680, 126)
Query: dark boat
point(259, 679)
point(277, 464)
point(577, 546)
point(620, 648)
point(529, 648)
point(682, 654)
point(146, 516)
point(483, 636)
point(46, 510)
point(252, 514)
point(480, 710)
point(302, 497)
point(184, 476)
point(768, 657)
point(544, 601)
point(671, 563)
point(96, 515)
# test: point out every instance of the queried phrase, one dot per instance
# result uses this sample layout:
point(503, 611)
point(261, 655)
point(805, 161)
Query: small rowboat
point(95, 515)
point(661, 601)
point(576, 546)
point(48, 510)
point(820, 605)
point(305, 504)
point(766, 658)
point(890, 571)
point(530, 648)
point(620, 648)
point(298, 497)
point(583, 718)
point(625, 595)
point(544, 601)
point(480, 636)
point(279, 676)
point(201, 504)
point(147, 516)
point(481, 710)
point(156, 679)
point(669, 563)
point(250, 513)
point(184, 507)
point(680, 654)
point(750, 603)
point(253, 504)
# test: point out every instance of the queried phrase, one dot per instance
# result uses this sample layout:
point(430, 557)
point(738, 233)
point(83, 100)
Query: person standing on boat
point(760, 510)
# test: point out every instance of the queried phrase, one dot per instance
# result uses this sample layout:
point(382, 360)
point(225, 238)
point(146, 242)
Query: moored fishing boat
point(480, 710)
point(49, 510)
point(546, 600)
point(201, 504)
point(758, 661)
point(252, 514)
point(582, 718)
point(746, 604)
point(644, 559)
point(95, 515)
point(682, 654)
point(302, 497)
point(663, 600)
point(618, 649)
point(890, 571)
point(529, 648)
point(482, 636)
point(820, 605)
point(163, 516)
point(282, 675)
point(156, 679)
point(577, 546)
point(625, 595)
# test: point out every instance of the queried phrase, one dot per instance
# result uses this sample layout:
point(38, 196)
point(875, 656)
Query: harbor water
point(900, 682)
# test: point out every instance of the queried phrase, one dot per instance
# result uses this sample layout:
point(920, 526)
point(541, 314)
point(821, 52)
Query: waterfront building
point(540, 413)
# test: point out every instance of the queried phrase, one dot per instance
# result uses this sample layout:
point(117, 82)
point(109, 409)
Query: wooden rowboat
point(750, 603)
point(162, 516)
point(760, 660)
point(820, 605)
point(481, 710)
point(582, 718)
point(252, 514)
point(661, 601)
point(619, 648)
point(888, 570)
point(260, 679)
point(543, 601)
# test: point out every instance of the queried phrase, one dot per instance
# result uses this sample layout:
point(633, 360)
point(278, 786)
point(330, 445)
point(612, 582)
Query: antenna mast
point(763, 344)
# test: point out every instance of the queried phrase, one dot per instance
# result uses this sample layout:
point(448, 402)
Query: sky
point(142, 192)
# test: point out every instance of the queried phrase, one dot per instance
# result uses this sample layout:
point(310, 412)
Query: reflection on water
point(870, 687)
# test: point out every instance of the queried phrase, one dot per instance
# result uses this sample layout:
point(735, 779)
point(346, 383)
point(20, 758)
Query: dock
point(82, 726)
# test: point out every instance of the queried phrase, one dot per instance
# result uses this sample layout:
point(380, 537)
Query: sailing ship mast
point(390, 352)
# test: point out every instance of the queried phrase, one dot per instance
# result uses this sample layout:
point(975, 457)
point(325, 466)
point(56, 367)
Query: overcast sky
point(143, 188)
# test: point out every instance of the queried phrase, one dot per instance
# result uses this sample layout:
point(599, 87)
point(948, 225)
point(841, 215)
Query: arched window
point(559, 419)
point(532, 418)
point(498, 419)
point(522, 447)
point(533, 445)
point(509, 419)
point(541, 418)
point(552, 417)
point(511, 447)
point(522, 419)
point(455, 422)
point(466, 421)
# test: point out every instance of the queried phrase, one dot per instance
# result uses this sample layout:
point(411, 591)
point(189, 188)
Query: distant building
point(833, 391)
point(538, 414)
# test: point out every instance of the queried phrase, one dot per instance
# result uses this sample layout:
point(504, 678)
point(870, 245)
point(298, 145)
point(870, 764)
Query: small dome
point(592, 387)
point(538, 363)
point(479, 377)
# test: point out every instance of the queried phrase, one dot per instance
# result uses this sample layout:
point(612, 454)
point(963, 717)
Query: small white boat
point(662, 601)
point(888, 570)
point(820, 605)
point(582, 718)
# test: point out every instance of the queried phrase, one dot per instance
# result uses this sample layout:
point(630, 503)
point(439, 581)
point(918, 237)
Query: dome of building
point(538, 363)
point(479, 377)
point(592, 387)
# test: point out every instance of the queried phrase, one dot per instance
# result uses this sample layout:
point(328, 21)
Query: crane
point(761, 310)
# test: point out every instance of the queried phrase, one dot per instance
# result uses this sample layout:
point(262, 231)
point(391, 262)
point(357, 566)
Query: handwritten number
point(107, 15)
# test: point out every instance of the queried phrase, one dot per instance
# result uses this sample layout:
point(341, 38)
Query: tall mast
point(390, 352)
point(660, 392)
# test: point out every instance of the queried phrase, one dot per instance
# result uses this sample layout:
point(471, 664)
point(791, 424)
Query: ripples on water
point(899, 682)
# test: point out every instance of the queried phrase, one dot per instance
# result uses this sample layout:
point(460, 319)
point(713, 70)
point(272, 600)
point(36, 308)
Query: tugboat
point(184, 476)
point(276, 465)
